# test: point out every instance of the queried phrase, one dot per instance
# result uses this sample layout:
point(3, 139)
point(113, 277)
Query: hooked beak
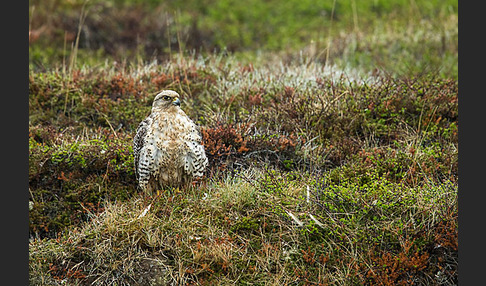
point(176, 102)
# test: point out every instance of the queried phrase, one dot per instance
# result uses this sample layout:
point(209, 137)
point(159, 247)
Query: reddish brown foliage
point(115, 87)
point(397, 268)
point(446, 235)
point(437, 259)
point(224, 140)
point(61, 272)
point(225, 143)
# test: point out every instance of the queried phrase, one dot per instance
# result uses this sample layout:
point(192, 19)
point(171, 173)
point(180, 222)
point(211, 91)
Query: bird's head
point(165, 100)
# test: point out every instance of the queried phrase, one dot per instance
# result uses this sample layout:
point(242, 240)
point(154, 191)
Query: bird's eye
point(166, 97)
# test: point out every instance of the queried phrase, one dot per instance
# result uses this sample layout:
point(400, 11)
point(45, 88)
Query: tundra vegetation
point(331, 129)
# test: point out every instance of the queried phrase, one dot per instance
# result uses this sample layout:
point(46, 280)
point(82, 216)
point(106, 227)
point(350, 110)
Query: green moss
point(245, 225)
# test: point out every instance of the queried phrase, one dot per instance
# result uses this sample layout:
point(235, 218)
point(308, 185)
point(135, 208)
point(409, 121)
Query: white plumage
point(167, 146)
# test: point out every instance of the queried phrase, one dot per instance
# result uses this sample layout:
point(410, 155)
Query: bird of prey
point(167, 147)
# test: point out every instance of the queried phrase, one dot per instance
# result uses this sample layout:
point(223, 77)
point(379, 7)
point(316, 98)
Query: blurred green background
point(397, 36)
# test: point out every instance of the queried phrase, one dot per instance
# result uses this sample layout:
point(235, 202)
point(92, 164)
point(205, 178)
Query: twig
point(297, 221)
point(145, 211)
point(316, 221)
